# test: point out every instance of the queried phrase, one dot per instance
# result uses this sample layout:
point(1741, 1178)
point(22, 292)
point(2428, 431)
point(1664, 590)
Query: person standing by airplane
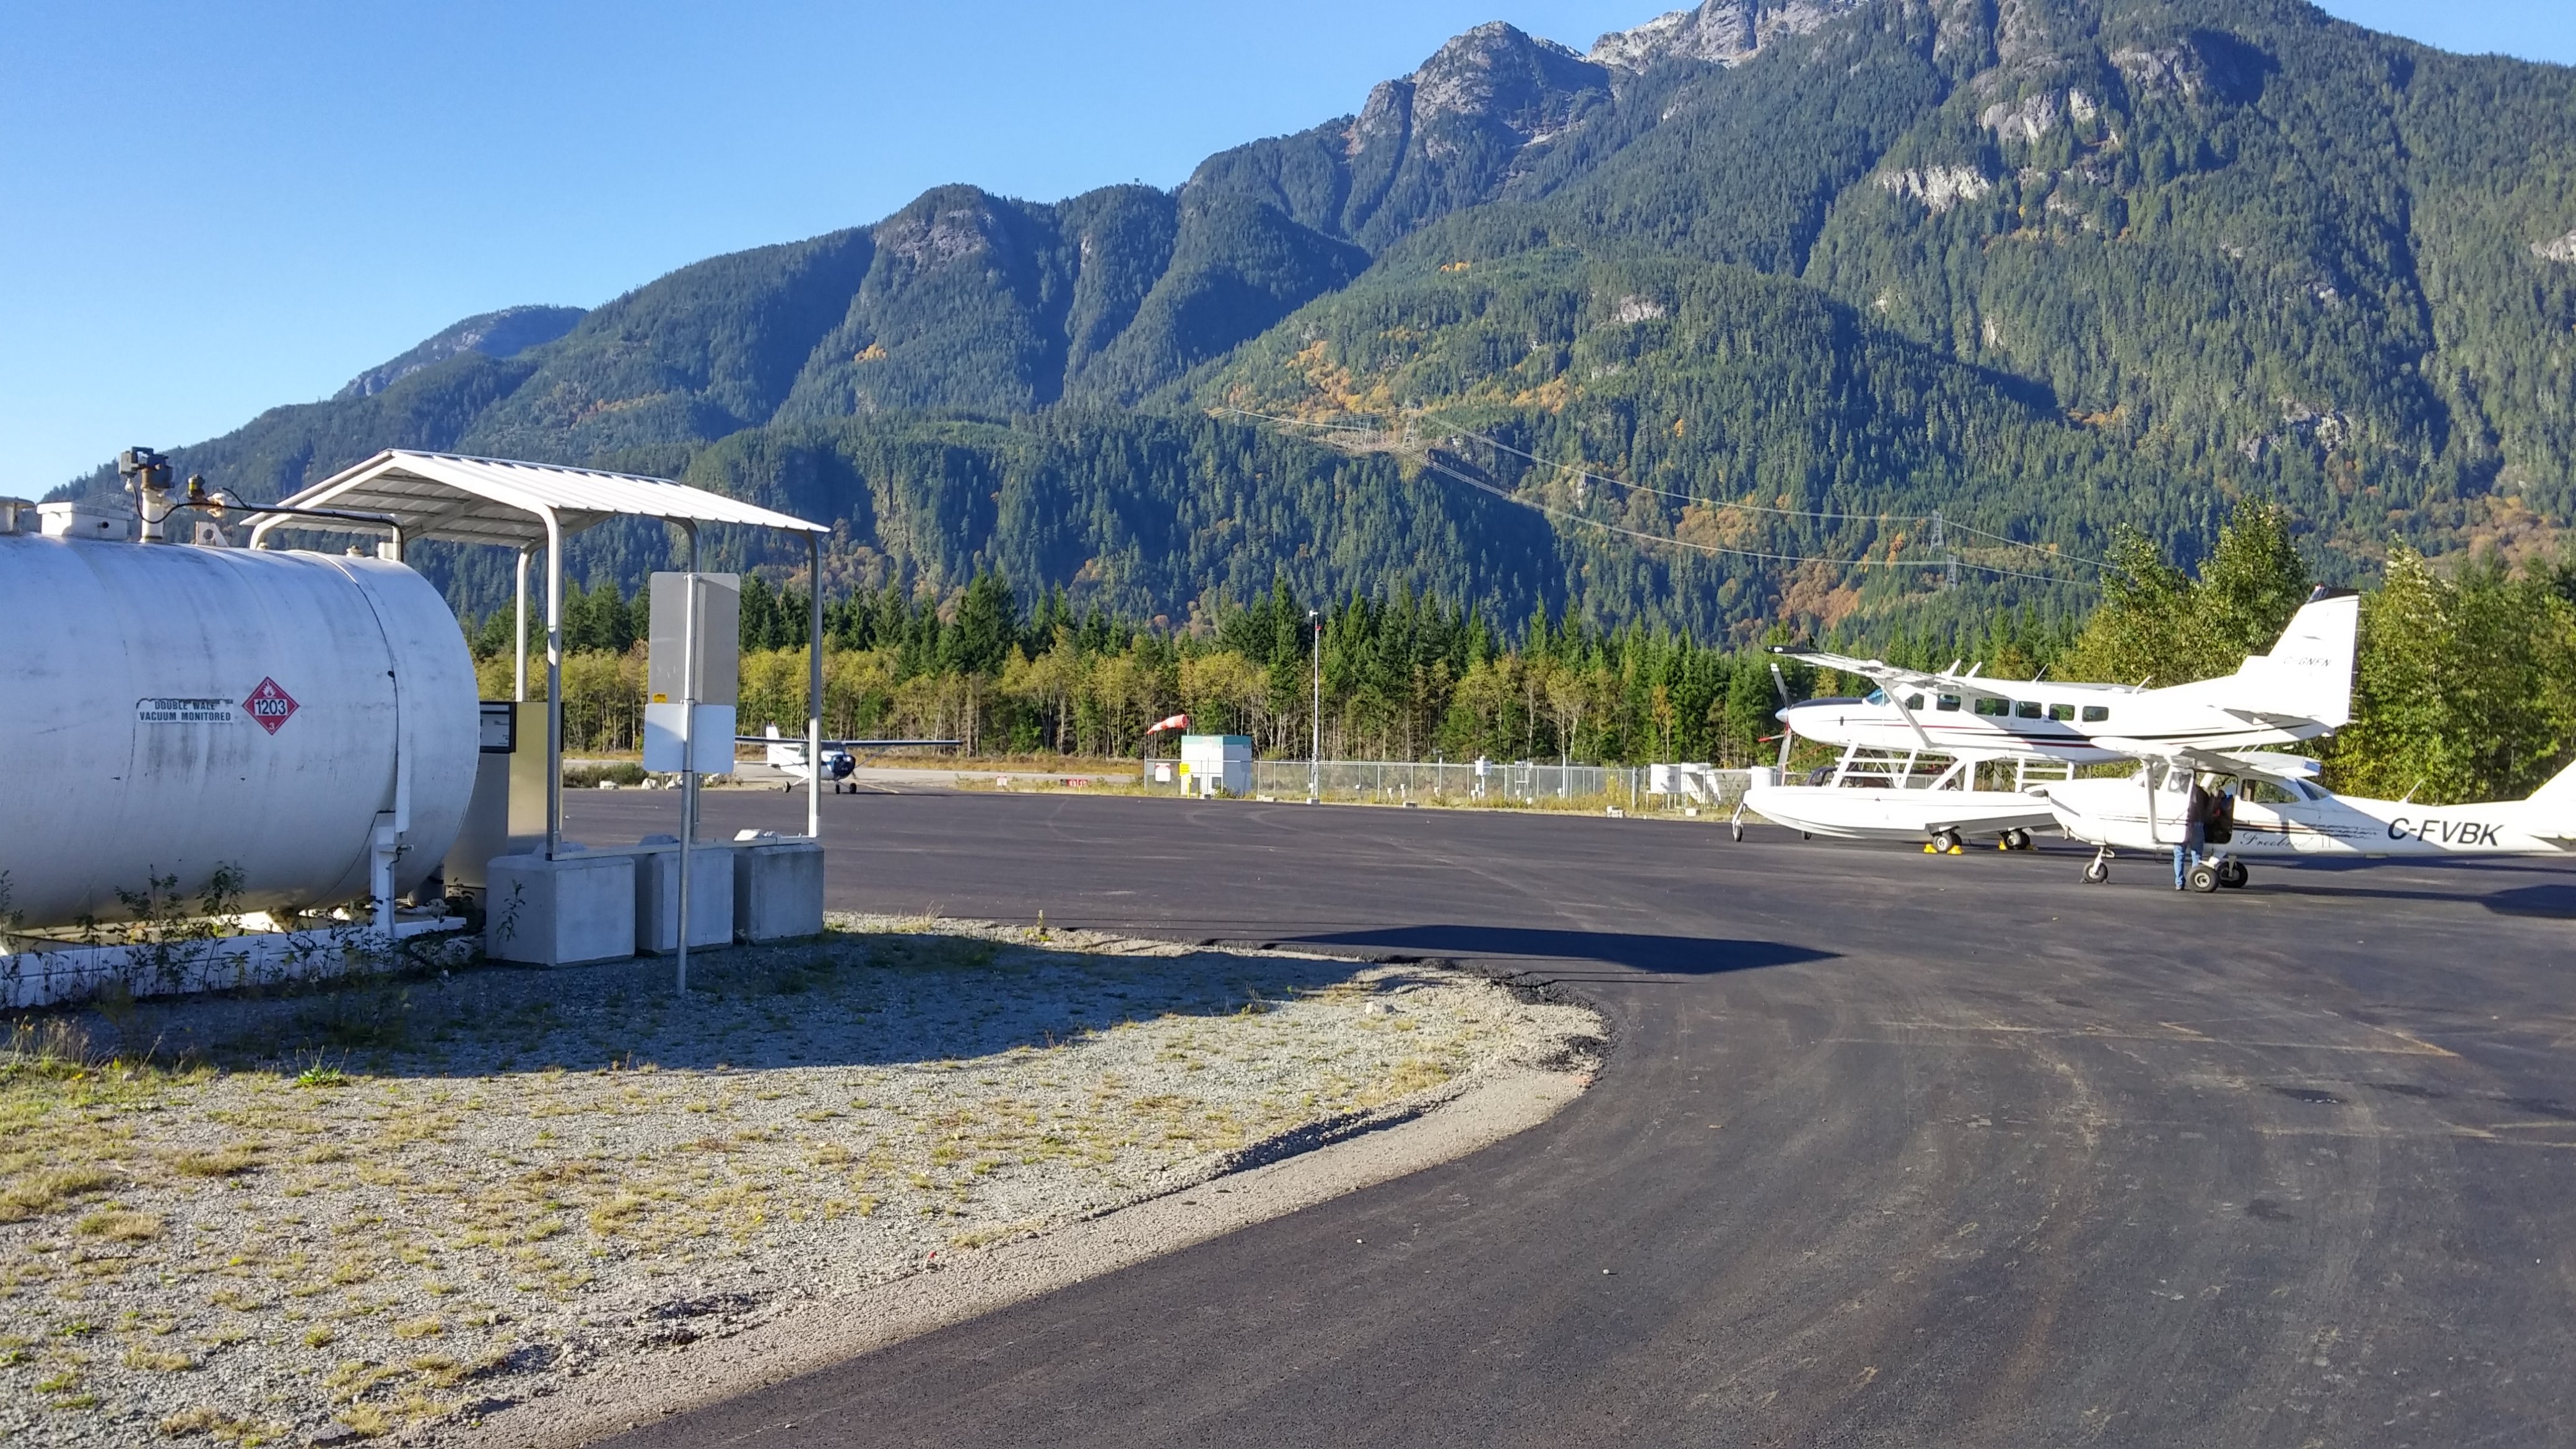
point(2195, 831)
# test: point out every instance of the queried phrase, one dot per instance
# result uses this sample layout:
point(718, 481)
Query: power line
point(1950, 564)
point(1953, 563)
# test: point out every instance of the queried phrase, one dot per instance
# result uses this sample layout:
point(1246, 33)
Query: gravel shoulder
point(520, 1207)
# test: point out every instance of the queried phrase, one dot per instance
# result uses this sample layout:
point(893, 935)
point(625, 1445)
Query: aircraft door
point(2269, 813)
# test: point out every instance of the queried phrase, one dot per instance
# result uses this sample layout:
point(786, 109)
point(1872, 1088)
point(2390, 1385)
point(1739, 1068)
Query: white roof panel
point(495, 500)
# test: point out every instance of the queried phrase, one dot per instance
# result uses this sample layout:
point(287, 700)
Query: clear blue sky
point(206, 210)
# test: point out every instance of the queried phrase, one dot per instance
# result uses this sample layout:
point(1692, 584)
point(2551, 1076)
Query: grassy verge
point(399, 1202)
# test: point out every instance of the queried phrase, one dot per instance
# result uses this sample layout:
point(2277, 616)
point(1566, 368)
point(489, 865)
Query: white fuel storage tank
point(171, 712)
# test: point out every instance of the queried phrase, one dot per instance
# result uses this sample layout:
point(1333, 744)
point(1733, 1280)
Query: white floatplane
point(1881, 795)
point(2300, 691)
point(2268, 805)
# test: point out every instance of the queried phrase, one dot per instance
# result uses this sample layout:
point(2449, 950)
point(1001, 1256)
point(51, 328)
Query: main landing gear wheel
point(1944, 842)
point(2202, 878)
point(2098, 869)
point(2014, 839)
point(2231, 874)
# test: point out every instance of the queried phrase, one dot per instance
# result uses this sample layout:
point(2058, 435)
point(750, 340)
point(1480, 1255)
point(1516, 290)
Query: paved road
point(1890, 1149)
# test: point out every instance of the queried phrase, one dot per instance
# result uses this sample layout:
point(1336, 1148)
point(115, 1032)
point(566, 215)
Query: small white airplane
point(2299, 691)
point(787, 756)
point(1872, 795)
point(2276, 809)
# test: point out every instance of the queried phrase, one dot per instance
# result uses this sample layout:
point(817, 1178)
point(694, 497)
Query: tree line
point(2466, 686)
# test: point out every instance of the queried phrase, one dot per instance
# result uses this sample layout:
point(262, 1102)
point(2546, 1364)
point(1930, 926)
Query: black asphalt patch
point(1887, 1148)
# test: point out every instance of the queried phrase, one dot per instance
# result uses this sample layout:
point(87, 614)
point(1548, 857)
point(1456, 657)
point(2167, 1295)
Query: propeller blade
point(1782, 685)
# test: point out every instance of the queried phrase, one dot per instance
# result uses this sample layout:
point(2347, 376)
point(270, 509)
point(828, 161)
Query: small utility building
point(1211, 764)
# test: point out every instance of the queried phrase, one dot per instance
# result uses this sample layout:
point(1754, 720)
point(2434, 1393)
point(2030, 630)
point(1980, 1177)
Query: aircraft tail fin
point(2552, 808)
point(2309, 671)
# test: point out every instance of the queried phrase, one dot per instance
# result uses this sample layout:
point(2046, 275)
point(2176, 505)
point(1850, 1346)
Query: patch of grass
point(367, 1421)
point(321, 1335)
point(120, 1225)
point(158, 1360)
point(230, 1160)
point(50, 1189)
point(354, 1377)
point(428, 1326)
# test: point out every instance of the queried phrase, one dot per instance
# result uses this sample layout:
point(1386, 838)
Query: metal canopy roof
point(494, 500)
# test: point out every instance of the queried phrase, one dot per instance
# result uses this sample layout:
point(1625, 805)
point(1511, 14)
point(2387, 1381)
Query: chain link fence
point(1523, 783)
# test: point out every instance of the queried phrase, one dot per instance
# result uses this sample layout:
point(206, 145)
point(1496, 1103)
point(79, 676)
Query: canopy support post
point(814, 688)
point(554, 682)
point(519, 617)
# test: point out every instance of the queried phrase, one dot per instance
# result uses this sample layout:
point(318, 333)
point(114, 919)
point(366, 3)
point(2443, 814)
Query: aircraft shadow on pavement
point(2554, 902)
point(1674, 955)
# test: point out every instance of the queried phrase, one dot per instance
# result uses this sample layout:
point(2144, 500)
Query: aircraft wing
point(2216, 762)
point(1875, 669)
point(2277, 721)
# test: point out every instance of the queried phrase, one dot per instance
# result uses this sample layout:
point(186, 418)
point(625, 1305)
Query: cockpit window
point(1913, 701)
point(1876, 696)
point(2266, 792)
point(1989, 705)
point(1948, 702)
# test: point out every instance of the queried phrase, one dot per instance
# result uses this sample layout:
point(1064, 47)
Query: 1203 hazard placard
point(270, 705)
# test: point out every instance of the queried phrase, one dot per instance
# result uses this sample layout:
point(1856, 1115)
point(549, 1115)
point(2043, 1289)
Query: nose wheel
point(2098, 869)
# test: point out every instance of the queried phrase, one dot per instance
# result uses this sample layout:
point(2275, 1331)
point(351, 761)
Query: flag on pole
point(1176, 722)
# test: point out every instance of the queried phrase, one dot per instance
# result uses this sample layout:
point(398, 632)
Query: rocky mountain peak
point(1722, 32)
point(1498, 73)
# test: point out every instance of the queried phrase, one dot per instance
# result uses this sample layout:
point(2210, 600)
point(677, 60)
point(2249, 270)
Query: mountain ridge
point(2173, 252)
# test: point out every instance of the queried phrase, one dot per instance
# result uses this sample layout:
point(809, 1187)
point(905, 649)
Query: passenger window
point(2027, 709)
point(1913, 701)
point(1994, 706)
point(1949, 702)
point(2061, 711)
point(2096, 713)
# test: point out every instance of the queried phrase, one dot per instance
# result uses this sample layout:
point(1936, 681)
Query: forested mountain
point(2041, 266)
point(505, 333)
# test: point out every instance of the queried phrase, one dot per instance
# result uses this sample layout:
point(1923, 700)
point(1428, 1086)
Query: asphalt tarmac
point(1888, 1148)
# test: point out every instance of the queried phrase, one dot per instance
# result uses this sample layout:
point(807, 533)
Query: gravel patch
point(400, 1206)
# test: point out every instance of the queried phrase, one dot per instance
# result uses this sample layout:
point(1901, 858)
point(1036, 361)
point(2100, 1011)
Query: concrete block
point(657, 898)
point(560, 912)
point(778, 890)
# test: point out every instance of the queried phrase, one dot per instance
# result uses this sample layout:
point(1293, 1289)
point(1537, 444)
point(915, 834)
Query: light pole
point(1315, 762)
